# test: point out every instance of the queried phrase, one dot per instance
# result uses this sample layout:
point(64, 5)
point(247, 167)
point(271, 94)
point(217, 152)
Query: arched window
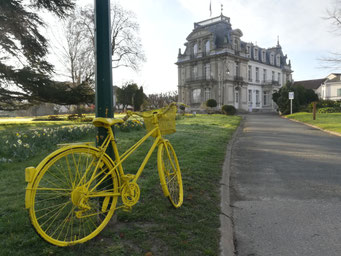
point(207, 47)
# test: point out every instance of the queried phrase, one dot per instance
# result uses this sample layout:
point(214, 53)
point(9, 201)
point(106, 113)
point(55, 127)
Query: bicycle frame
point(119, 159)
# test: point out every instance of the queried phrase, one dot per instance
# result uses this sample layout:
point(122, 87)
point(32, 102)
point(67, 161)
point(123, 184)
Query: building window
point(339, 92)
point(266, 98)
point(237, 69)
point(208, 71)
point(257, 74)
point(194, 72)
point(272, 59)
point(249, 73)
point(263, 56)
point(207, 94)
point(278, 60)
point(279, 78)
point(256, 54)
point(248, 49)
point(257, 98)
point(195, 49)
point(207, 47)
point(250, 96)
point(196, 95)
point(273, 76)
point(264, 75)
point(235, 44)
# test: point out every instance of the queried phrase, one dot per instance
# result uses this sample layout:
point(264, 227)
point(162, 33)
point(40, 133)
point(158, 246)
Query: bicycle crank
point(130, 194)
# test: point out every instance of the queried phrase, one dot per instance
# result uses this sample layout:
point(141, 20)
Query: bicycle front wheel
point(69, 206)
point(170, 175)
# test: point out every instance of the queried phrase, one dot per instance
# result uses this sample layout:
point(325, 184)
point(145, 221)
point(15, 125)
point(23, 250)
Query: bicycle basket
point(166, 120)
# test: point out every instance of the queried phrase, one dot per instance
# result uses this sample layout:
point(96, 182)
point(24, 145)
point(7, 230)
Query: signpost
point(314, 110)
point(291, 97)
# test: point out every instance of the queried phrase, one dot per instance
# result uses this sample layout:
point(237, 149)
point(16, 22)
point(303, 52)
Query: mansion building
point(218, 65)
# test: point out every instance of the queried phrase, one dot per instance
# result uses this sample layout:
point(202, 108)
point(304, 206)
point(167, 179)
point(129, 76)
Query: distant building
point(218, 65)
point(328, 88)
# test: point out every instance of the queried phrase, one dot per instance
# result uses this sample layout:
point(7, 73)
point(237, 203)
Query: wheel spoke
point(64, 209)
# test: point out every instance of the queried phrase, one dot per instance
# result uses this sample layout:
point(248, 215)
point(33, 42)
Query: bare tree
point(162, 99)
point(126, 44)
point(77, 51)
point(333, 61)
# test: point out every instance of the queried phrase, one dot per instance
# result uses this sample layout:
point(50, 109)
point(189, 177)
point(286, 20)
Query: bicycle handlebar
point(141, 114)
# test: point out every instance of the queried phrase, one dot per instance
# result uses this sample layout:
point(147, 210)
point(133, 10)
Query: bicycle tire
point(60, 213)
point(170, 174)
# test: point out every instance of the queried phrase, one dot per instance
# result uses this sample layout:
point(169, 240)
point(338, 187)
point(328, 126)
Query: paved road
point(286, 189)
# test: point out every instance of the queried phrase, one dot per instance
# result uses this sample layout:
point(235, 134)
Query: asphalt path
point(285, 189)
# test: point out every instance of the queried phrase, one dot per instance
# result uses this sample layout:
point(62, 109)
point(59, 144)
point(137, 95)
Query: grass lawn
point(153, 227)
point(326, 121)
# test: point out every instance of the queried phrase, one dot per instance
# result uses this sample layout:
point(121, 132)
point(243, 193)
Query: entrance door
point(236, 99)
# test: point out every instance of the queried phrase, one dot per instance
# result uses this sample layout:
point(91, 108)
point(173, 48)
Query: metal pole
point(104, 94)
point(290, 107)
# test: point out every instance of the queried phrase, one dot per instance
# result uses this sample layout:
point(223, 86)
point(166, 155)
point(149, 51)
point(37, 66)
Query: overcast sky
point(164, 25)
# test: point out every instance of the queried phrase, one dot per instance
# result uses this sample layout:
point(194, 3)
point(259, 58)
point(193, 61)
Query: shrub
point(75, 116)
point(329, 110)
point(212, 103)
point(229, 110)
point(130, 125)
point(54, 118)
point(302, 98)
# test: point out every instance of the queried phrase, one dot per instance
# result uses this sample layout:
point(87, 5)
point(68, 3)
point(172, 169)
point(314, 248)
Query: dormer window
point(195, 49)
point(272, 58)
point(236, 44)
point(263, 56)
point(255, 54)
point(278, 60)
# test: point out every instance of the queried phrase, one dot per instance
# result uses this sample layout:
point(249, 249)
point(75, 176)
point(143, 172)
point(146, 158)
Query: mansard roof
point(219, 27)
point(219, 31)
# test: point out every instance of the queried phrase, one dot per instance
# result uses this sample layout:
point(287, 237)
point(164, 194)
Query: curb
point(313, 126)
point(226, 219)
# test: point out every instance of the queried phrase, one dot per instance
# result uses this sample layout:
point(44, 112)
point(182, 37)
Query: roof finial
point(278, 41)
point(222, 8)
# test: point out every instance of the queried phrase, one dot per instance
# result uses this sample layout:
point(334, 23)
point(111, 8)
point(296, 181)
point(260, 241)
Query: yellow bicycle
point(72, 194)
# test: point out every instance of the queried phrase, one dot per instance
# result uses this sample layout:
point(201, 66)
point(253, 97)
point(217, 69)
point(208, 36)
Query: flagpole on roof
point(210, 8)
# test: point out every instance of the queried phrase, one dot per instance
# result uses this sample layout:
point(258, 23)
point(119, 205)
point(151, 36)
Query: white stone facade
point(218, 65)
point(331, 88)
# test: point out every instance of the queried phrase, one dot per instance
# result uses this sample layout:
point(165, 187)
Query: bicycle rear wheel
point(68, 207)
point(170, 175)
